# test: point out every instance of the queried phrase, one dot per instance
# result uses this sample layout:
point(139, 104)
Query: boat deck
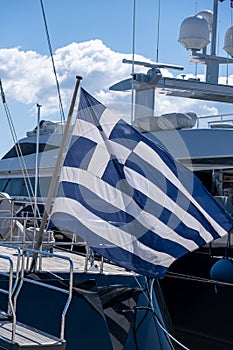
point(15, 263)
point(27, 337)
point(59, 261)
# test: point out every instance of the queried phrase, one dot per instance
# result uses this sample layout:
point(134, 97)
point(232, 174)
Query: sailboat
point(65, 300)
point(134, 216)
point(108, 196)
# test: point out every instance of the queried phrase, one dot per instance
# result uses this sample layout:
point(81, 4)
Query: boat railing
point(23, 234)
point(28, 252)
point(16, 269)
point(217, 121)
point(10, 314)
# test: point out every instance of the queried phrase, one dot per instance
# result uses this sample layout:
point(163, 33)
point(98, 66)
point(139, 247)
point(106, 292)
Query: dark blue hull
point(107, 312)
point(201, 309)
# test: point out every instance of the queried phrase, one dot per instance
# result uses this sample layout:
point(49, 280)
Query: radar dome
point(228, 42)
point(194, 33)
point(208, 16)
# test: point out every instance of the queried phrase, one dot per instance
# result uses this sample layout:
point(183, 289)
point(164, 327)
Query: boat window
point(25, 189)
point(206, 179)
point(17, 186)
point(14, 186)
point(43, 186)
point(228, 184)
point(28, 148)
point(3, 183)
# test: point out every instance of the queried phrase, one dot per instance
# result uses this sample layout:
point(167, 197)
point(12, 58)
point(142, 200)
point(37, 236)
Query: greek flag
point(128, 198)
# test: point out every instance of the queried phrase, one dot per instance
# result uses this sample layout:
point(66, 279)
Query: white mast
point(53, 183)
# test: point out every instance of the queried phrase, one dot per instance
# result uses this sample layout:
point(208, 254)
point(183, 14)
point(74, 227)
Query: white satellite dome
point(194, 33)
point(228, 42)
point(208, 16)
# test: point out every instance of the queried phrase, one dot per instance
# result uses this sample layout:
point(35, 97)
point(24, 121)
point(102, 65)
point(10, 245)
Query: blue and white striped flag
point(128, 198)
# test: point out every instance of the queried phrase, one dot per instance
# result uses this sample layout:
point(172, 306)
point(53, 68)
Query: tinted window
point(28, 148)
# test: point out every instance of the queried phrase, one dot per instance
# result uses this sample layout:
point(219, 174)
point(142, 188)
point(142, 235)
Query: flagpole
point(36, 161)
point(55, 174)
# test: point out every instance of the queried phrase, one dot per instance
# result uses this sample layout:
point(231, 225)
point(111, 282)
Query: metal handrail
point(218, 118)
point(9, 245)
point(28, 251)
point(219, 122)
point(11, 308)
point(22, 243)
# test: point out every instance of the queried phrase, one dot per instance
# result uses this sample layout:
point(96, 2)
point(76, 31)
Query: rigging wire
point(20, 156)
point(157, 317)
point(53, 64)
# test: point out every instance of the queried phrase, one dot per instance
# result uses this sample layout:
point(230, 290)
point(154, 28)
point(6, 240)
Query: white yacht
point(201, 309)
point(199, 301)
point(205, 150)
point(18, 166)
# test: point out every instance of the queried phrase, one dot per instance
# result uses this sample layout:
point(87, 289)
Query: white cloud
point(28, 78)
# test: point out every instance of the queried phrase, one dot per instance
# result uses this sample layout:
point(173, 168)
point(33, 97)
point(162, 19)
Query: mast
point(47, 209)
point(194, 35)
point(212, 66)
point(36, 161)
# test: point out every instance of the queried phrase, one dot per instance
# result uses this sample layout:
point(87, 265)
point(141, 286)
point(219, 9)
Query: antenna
point(158, 33)
point(153, 65)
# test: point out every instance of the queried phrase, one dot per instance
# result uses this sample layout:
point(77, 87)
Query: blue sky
point(89, 38)
point(108, 20)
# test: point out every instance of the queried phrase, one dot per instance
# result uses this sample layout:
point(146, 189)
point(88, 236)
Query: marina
point(117, 235)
